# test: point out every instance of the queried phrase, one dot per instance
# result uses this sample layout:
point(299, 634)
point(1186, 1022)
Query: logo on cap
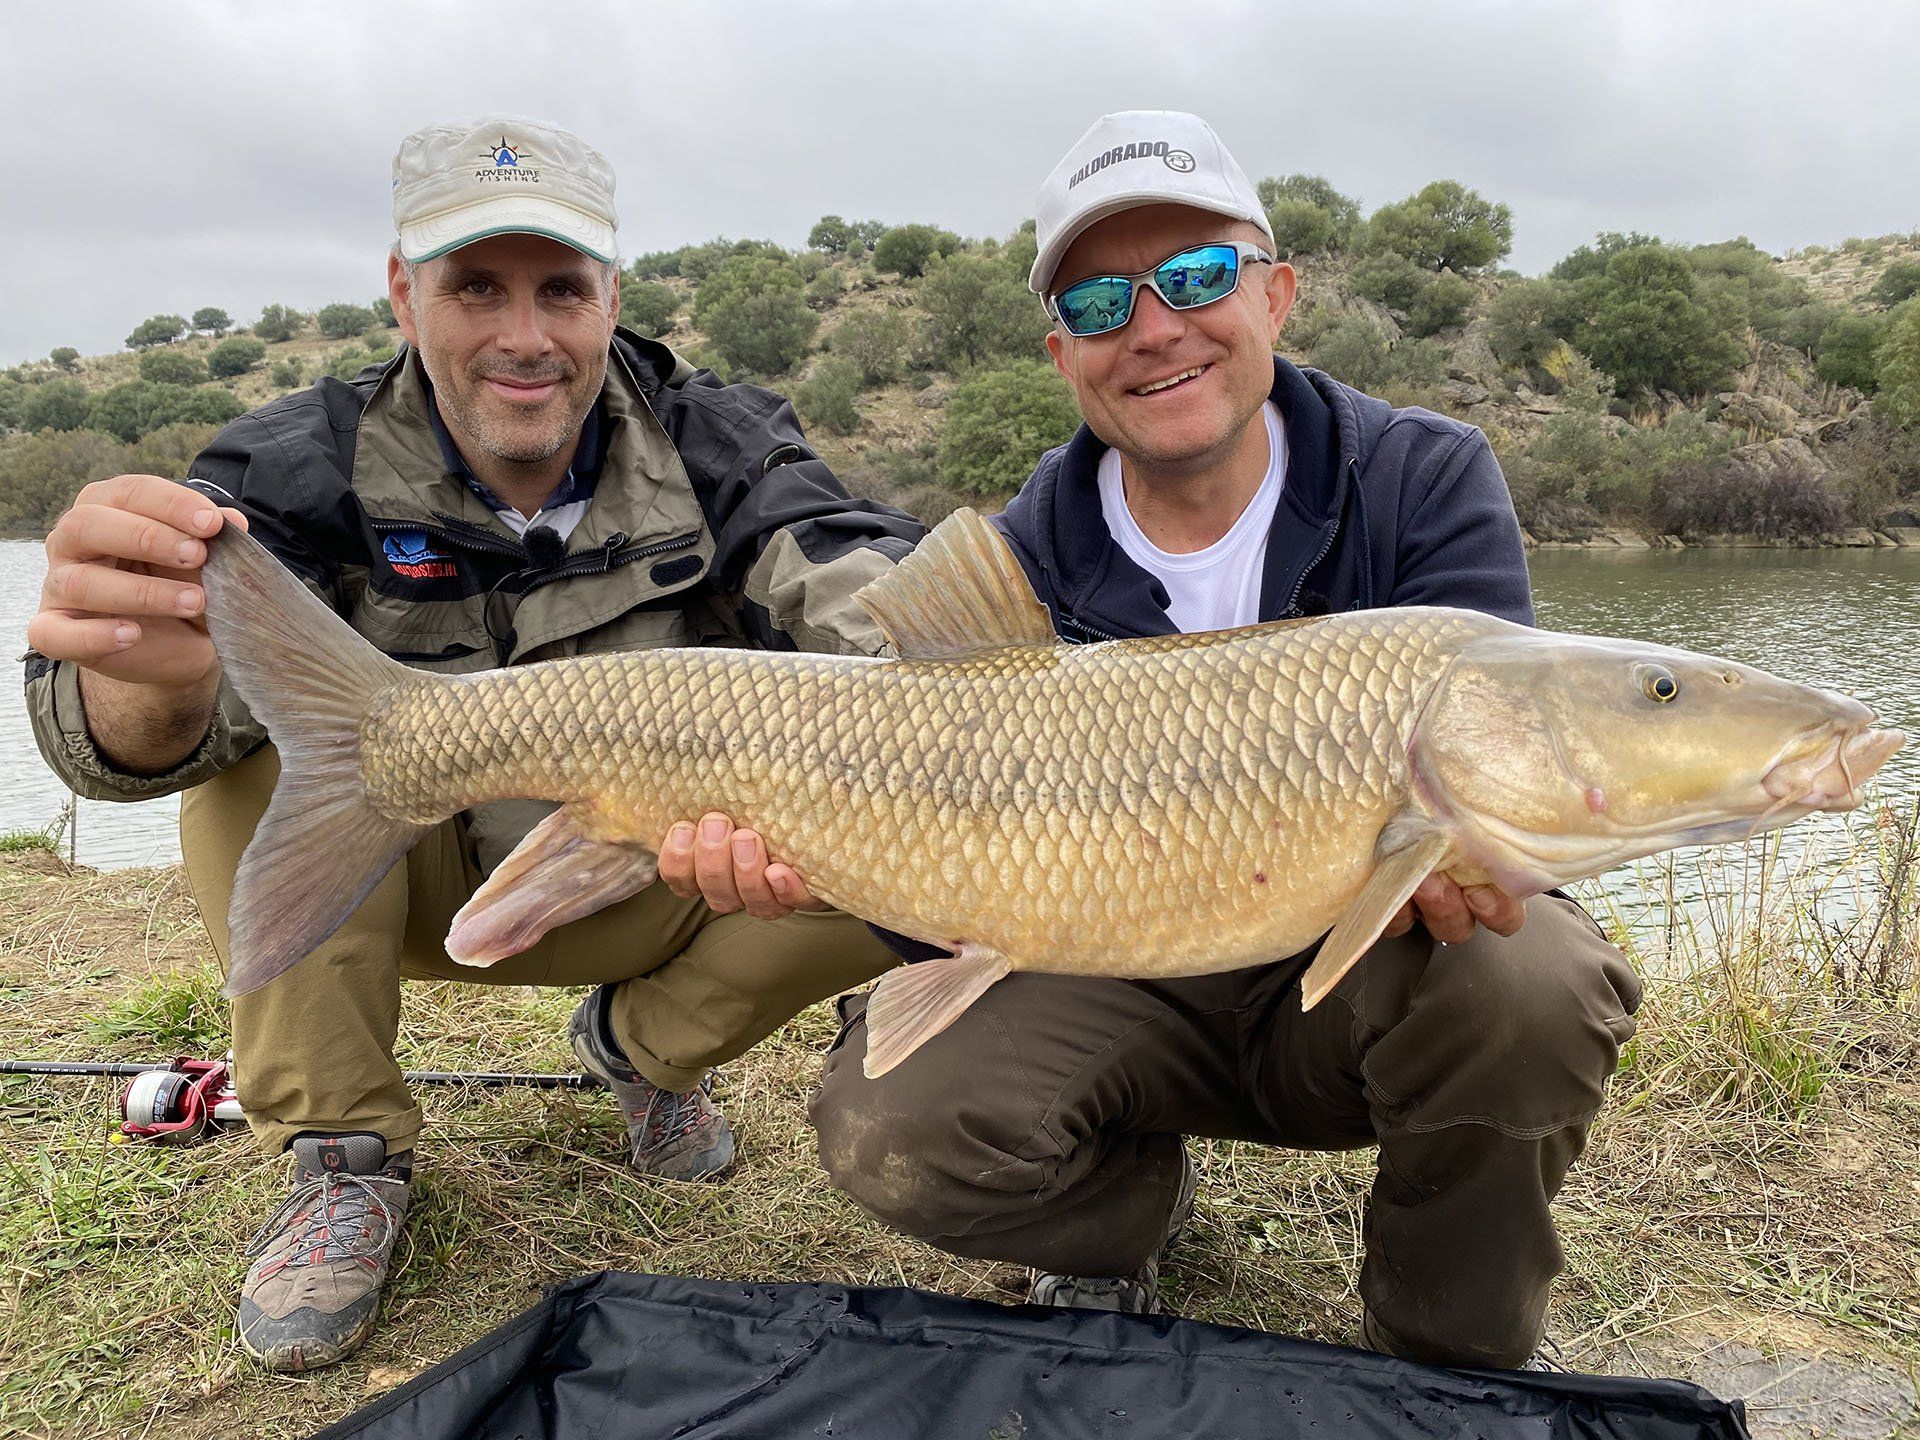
point(1181, 160)
point(503, 163)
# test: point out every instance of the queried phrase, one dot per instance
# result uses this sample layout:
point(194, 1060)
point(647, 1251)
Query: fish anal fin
point(558, 873)
point(914, 1003)
point(961, 591)
point(1408, 855)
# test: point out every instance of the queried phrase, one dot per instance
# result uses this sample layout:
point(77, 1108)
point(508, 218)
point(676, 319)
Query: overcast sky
point(163, 157)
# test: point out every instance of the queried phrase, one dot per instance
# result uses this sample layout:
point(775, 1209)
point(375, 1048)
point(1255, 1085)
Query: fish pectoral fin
point(916, 1002)
point(1396, 876)
point(960, 591)
point(559, 872)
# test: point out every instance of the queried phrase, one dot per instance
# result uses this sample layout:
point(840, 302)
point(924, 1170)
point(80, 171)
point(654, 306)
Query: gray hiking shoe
point(1374, 1336)
point(313, 1291)
point(673, 1136)
point(1134, 1294)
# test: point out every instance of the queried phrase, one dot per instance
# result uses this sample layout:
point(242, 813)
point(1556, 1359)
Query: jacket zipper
point(1293, 600)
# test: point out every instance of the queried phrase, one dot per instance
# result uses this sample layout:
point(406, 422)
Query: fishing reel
point(174, 1105)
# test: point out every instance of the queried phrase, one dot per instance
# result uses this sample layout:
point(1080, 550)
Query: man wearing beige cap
point(1214, 485)
point(523, 481)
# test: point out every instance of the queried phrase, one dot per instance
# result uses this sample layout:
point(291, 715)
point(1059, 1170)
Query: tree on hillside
point(1387, 278)
point(56, 405)
point(41, 473)
point(755, 311)
point(906, 250)
point(172, 367)
point(1743, 285)
point(1899, 397)
point(1308, 215)
point(1849, 350)
point(1899, 281)
point(999, 422)
point(235, 356)
point(1592, 259)
point(1527, 320)
point(979, 309)
point(831, 235)
point(382, 309)
point(64, 357)
point(1443, 302)
point(1022, 249)
point(1642, 325)
point(1444, 227)
point(139, 407)
point(874, 343)
point(157, 330)
point(868, 232)
point(279, 322)
point(344, 322)
point(212, 321)
point(647, 306)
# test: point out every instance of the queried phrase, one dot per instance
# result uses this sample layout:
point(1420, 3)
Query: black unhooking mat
point(643, 1357)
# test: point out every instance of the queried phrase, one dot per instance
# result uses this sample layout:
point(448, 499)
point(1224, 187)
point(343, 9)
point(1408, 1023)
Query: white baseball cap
point(1137, 157)
point(463, 180)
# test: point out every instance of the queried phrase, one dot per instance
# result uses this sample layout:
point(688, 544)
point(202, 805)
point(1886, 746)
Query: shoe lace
point(670, 1114)
point(332, 1213)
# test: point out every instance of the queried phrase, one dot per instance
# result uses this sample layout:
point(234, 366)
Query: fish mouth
point(1828, 771)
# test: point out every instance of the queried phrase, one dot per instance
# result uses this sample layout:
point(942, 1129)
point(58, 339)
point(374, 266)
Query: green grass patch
point(17, 842)
point(179, 1014)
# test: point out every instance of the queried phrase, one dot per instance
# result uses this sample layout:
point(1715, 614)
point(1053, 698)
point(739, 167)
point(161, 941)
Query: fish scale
point(1215, 781)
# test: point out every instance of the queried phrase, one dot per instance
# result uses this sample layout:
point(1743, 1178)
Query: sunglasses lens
point(1095, 306)
point(1198, 276)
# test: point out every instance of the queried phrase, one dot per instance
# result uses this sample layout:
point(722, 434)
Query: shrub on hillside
point(41, 473)
point(906, 250)
point(1876, 467)
point(648, 307)
point(235, 356)
point(1308, 215)
point(697, 261)
point(1591, 260)
point(1444, 227)
point(1443, 302)
point(56, 405)
point(1773, 502)
point(1642, 325)
point(999, 422)
point(1420, 364)
point(13, 401)
point(342, 322)
point(1899, 396)
point(172, 367)
point(157, 330)
point(1744, 286)
point(826, 287)
point(868, 232)
point(1353, 350)
point(285, 375)
point(874, 343)
point(1849, 350)
point(1802, 326)
point(1388, 279)
point(1527, 320)
point(978, 310)
point(825, 398)
point(64, 357)
point(279, 322)
point(809, 263)
point(1021, 250)
point(139, 407)
point(1899, 281)
point(755, 311)
point(171, 449)
point(211, 320)
point(382, 312)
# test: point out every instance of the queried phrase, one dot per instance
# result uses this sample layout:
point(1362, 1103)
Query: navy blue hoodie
point(1380, 507)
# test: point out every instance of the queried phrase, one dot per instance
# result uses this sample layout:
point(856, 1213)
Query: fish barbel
point(1155, 807)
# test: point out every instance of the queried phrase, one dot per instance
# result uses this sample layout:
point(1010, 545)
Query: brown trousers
point(313, 1050)
point(1044, 1127)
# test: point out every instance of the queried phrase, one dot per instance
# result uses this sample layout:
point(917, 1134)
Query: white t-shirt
point(1219, 587)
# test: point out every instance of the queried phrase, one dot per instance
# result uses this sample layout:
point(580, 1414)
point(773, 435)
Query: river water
point(1848, 619)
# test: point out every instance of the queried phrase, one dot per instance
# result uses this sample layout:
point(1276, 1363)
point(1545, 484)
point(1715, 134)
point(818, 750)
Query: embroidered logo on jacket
point(411, 554)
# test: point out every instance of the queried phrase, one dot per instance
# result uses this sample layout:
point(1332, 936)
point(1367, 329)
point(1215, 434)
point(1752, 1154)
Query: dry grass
point(1753, 1179)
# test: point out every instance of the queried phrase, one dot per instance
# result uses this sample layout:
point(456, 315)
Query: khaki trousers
point(1045, 1125)
point(313, 1050)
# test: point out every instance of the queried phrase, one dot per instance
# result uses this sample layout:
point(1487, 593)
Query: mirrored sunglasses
point(1186, 281)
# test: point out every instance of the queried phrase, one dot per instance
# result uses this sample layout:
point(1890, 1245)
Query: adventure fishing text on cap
point(1137, 157)
point(461, 181)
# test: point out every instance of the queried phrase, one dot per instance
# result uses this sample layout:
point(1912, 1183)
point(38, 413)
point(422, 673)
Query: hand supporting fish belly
point(1157, 807)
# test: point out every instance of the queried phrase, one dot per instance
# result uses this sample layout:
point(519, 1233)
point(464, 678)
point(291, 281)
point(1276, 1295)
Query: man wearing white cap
point(1213, 485)
point(523, 481)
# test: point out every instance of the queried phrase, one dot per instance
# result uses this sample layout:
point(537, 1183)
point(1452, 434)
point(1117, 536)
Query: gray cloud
point(167, 157)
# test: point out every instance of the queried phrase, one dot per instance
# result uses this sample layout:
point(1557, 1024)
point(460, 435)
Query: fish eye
point(1657, 683)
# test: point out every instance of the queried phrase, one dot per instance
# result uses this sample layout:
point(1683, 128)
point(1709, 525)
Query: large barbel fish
point(1156, 807)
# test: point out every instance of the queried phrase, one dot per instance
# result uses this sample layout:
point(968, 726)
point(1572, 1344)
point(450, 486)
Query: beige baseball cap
point(463, 180)
point(1137, 157)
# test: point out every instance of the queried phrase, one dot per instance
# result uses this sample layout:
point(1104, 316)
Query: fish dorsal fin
point(960, 592)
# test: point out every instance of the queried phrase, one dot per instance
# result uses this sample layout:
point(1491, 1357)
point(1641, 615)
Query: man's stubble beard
point(463, 407)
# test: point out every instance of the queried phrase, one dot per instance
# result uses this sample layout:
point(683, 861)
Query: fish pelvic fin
point(559, 872)
point(960, 592)
point(321, 846)
point(1408, 853)
point(914, 1003)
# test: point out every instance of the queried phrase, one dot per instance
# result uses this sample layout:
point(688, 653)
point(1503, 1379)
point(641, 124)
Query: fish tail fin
point(321, 847)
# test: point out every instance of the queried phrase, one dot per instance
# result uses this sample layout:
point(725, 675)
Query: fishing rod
point(174, 1103)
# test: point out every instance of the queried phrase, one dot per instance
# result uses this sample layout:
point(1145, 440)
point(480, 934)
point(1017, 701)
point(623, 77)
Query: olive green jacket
point(712, 523)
